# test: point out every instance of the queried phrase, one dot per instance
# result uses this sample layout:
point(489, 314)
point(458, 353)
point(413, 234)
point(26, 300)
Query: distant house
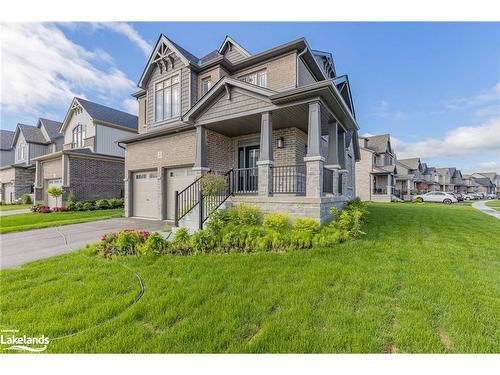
point(451, 180)
point(494, 178)
point(410, 177)
point(89, 164)
point(27, 143)
point(376, 171)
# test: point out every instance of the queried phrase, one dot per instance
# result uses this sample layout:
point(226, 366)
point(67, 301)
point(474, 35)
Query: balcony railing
point(289, 179)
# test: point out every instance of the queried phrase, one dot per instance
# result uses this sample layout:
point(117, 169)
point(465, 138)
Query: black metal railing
point(210, 203)
point(187, 199)
point(380, 191)
point(245, 180)
point(327, 181)
point(289, 179)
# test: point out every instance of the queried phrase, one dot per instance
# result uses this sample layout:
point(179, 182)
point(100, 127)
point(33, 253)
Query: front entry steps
point(191, 220)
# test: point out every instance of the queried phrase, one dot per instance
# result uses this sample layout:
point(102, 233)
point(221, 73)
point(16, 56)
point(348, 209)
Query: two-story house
point(486, 182)
point(6, 159)
point(90, 163)
point(27, 143)
point(410, 177)
point(376, 171)
point(258, 119)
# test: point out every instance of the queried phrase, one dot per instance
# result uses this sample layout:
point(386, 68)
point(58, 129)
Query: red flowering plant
point(43, 209)
point(125, 242)
point(58, 209)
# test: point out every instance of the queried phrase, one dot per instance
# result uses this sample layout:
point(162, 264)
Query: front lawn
point(425, 278)
point(14, 223)
point(495, 204)
point(11, 207)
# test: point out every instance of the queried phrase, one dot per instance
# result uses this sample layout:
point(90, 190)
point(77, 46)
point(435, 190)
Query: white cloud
point(42, 68)
point(131, 106)
point(461, 141)
point(383, 109)
point(491, 95)
point(128, 31)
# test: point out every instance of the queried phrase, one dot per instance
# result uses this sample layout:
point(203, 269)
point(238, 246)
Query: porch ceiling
point(282, 117)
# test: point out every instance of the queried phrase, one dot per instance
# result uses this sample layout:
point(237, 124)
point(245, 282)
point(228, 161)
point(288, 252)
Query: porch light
point(281, 142)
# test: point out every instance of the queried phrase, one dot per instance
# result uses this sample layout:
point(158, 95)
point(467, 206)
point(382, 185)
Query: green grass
point(495, 204)
point(11, 207)
point(15, 223)
point(424, 279)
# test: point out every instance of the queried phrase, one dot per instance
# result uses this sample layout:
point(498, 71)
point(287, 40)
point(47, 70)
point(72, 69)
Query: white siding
point(106, 138)
point(80, 118)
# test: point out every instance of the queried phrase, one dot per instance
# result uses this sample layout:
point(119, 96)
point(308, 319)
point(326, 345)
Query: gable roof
point(378, 143)
point(230, 41)
point(342, 84)
point(102, 113)
point(443, 171)
point(484, 181)
point(6, 138)
point(52, 127)
point(411, 163)
point(31, 134)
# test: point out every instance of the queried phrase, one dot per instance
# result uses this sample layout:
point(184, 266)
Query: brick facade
point(20, 181)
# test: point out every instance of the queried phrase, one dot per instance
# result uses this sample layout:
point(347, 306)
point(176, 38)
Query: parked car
point(472, 196)
point(460, 196)
point(491, 196)
point(437, 196)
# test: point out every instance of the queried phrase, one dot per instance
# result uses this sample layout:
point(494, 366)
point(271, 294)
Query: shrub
point(35, 207)
point(245, 215)
point(300, 239)
point(329, 236)
point(181, 243)
point(307, 224)
point(79, 206)
point(277, 221)
point(102, 204)
point(25, 199)
point(126, 242)
point(116, 202)
point(88, 206)
point(213, 184)
point(202, 242)
point(417, 200)
point(43, 209)
point(154, 244)
point(218, 221)
point(58, 209)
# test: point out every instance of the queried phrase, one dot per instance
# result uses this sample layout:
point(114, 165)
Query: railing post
point(200, 200)
point(176, 207)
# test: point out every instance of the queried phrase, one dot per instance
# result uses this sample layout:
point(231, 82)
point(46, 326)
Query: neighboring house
point(410, 177)
point(279, 125)
point(28, 142)
point(471, 185)
point(376, 171)
point(458, 182)
point(494, 178)
point(6, 158)
point(431, 178)
point(90, 163)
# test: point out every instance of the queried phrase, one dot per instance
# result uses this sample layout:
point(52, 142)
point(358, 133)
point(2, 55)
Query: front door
point(247, 165)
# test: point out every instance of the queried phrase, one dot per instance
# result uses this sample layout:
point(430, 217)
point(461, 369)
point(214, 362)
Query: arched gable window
point(79, 135)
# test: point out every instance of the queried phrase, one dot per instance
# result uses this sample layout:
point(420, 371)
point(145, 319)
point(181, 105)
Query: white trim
point(227, 40)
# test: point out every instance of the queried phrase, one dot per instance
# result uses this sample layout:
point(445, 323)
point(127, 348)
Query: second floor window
point(257, 78)
point(21, 151)
point(78, 135)
point(206, 84)
point(167, 99)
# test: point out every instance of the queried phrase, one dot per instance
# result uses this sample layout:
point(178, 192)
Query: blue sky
point(435, 87)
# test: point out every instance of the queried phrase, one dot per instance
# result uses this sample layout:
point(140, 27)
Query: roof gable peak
point(229, 43)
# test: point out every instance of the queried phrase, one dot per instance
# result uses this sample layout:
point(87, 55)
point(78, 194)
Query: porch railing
point(289, 179)
point(380, 191)
point(245, 180)
point(327, 181)
point(187, 199)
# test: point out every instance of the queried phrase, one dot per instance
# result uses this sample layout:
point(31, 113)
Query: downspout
point(297, 67)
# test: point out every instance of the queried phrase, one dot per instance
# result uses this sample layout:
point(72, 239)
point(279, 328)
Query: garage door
point(9, 193)
point(177, 179)
point(145, 194)
point(51, 201)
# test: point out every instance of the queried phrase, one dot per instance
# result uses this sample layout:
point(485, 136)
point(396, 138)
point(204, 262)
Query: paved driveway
point(22, 247)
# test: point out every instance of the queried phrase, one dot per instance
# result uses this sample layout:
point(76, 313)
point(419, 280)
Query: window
point(167, 99)
point(256, 78)
point(206, 84)
point(21, 151)
point(79, 135)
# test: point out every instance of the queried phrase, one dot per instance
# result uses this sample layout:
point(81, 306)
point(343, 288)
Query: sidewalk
point(481, 206)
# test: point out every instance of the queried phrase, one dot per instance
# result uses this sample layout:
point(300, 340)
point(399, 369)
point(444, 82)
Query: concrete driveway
point(22, 247)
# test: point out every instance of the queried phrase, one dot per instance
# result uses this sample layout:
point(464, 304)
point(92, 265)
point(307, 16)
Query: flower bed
point(241, 229)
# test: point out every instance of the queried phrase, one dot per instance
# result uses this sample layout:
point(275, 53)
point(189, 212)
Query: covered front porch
point(383, 187)
point(275, 149)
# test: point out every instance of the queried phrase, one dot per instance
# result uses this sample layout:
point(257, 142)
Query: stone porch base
point(318, 208)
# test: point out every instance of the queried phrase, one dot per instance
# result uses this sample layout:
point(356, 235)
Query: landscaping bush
point(116, 202)
point(43, 209)
point(88, 206)
point(102, 204)
point(213, 184)
point(58, 209)
point(244, 229)
point(79, 206)
point(25, 199)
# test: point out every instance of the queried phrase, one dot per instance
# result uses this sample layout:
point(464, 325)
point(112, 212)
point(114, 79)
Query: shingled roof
point(6, 138)
point(378, 143)
point(411, 163)
point(109, 115)
point(52, 128)
point(32, 134)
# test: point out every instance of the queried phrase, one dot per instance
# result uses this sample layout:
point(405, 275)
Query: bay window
point(167, 99)
point(78, 135)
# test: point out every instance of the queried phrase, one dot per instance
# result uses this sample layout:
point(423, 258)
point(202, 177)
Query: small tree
point(55, 192)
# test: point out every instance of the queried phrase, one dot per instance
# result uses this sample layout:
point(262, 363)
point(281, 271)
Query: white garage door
point(8, 193)
point(177, 179)
point(51, 201)
point(145, 194)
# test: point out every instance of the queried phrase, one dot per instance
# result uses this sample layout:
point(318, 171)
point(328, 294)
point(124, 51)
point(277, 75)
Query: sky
point(435, 87)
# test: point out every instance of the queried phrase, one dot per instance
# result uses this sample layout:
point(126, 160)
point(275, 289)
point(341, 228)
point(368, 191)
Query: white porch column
point(38, 174)
point(200, 160)
point(266, 161)
point(65, 170)
point(314, 159)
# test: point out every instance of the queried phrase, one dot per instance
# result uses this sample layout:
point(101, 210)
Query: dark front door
point(247, 168)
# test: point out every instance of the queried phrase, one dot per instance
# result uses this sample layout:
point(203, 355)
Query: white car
point(437, 196)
